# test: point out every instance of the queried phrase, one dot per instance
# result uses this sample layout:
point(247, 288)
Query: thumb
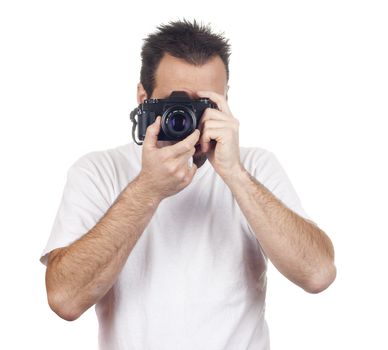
point(152, 132)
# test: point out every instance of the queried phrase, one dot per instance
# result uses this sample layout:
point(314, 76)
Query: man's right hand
point(165, 171)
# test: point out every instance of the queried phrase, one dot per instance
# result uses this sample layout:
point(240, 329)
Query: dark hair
point(193, 42)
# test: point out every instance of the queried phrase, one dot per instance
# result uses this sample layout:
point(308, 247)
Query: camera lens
point(178, 122)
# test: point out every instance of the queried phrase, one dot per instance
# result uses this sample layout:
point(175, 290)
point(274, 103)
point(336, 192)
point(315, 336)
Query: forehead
point(176, 74)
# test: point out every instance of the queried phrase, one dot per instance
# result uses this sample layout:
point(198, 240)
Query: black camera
point(180, 115)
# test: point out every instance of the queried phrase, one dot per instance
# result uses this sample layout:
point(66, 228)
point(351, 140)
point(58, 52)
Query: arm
point(299, 249)
point(82, 273)
point(79, 275)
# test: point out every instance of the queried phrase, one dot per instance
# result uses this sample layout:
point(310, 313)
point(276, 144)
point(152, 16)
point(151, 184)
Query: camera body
point(180, 115)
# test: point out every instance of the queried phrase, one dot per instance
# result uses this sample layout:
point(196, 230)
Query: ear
point(141, 93)
point(227, 90)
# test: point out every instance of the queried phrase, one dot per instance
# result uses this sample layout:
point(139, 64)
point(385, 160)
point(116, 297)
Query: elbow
point(62, 308)
point(321, 281)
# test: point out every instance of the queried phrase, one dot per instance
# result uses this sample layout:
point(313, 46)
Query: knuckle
point(205, 114)
point(186, 147)
point(180, 175)
point(171, 168)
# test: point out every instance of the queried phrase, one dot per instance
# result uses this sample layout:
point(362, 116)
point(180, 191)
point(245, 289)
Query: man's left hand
point(220, 126)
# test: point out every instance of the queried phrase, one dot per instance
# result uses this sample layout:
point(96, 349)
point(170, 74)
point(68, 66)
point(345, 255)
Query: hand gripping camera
point(180, 116)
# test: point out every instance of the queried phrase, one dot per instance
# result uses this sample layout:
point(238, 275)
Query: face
point(175, 74)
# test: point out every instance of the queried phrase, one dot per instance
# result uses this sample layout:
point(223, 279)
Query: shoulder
point(108, 169)
point(256, 159)
point(263, 165)
point(107, 160)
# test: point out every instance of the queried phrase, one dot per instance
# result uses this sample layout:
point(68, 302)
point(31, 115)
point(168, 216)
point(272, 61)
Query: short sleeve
point(266, 168)
point(85, 200)
point(277, 181)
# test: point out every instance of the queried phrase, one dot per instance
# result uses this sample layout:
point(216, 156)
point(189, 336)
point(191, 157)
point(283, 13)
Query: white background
point(309, 82)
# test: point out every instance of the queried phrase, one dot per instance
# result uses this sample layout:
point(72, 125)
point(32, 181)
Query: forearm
point(85, 271)
point(298, 249)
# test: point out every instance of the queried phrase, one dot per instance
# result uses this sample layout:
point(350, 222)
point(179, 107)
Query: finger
point(151, 136)
point(211, 134)
point(185, 157)
point(210, 114)
point(220, 100)
point(211, 123)
point(185, 145)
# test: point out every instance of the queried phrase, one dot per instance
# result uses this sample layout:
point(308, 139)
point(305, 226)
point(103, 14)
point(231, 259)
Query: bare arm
point(82, 273)
point(300, 250)
point(79, 275)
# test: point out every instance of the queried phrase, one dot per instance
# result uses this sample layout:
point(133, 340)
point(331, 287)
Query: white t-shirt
point(196, 278)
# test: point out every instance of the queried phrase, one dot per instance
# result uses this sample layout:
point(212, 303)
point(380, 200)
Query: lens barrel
point(178, 122)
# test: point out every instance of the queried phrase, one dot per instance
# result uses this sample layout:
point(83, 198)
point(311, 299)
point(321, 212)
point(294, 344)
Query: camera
point(180, 115)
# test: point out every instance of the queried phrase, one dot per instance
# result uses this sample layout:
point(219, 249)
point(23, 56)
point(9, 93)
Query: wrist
point(147, 192)
point(234, 175)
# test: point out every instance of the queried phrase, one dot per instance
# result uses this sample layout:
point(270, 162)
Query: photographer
point(170, 240)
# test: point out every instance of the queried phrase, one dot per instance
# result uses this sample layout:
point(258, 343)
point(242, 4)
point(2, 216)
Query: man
point(175, 256)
